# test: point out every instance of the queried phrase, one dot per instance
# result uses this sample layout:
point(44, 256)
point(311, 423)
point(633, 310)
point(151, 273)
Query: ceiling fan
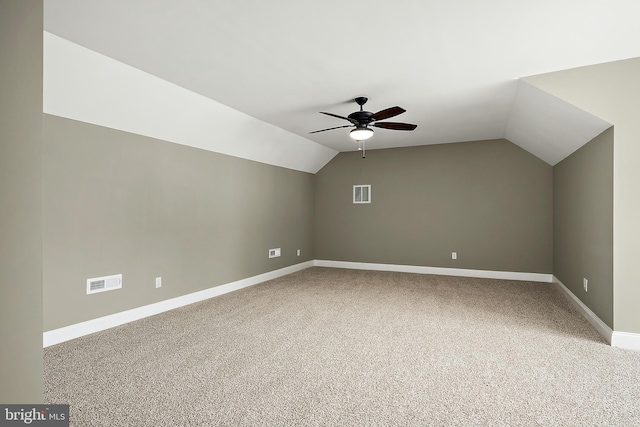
point(362, 120)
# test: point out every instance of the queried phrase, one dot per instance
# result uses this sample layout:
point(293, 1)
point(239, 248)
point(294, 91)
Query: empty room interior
point(360, 213)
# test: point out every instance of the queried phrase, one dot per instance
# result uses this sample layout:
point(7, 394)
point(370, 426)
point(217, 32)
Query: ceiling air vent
point(362, 194)
point(102, 284)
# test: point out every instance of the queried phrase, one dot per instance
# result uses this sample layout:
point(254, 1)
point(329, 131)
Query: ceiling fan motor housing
point(362, 117)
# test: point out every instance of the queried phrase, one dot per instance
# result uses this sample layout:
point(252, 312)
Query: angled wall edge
point(84, 85)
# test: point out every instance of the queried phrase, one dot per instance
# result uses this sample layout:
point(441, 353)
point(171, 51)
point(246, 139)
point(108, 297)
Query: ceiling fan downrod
point(361, 100)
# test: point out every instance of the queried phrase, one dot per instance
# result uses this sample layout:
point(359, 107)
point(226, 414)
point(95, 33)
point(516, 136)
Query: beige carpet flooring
point(353, 348)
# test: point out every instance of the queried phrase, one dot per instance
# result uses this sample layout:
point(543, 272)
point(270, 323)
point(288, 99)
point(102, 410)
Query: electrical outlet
point(158, 282)
point(585, 284)
point(298, 252)
point(454, 255)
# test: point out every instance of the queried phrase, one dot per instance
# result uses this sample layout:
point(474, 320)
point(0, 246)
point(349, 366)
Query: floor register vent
point(102, 284)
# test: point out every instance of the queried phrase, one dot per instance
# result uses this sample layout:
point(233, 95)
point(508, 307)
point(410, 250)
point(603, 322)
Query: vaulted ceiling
point(453, 65)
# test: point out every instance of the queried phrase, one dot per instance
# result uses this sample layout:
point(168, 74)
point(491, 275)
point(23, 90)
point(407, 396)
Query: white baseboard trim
point(484, 274)
point(586, 312)
point(626, 340)
point(77, 330)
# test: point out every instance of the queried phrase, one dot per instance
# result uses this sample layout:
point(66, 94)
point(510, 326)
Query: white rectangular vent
point(102, 284)
point(273, 253)
point(362, 194)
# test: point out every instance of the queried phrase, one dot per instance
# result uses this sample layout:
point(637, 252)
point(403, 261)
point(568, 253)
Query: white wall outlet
point(298, 252)
point(585, 284)
point(273, 253)
point(454, 255)
point(158, 282)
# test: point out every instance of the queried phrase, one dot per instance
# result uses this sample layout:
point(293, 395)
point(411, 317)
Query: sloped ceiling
point(547, 126)
point(453, 65)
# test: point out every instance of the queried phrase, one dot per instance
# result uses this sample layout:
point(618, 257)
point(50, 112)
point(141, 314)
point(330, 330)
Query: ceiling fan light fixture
point(361, 134)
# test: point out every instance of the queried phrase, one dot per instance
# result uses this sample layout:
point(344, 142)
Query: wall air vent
point(102, 284)
point(273, 253)
point(362, 194)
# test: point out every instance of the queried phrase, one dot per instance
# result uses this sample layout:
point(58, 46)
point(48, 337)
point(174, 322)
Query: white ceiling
point(453, 65)
point(549, 127)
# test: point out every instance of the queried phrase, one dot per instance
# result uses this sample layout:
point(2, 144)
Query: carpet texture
point(353, 348)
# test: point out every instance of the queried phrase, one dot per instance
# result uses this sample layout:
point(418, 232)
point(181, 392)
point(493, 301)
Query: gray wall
point(611, 91)
point(583, 224)
point(490, 201)
point(116, 202)
point(21, 201)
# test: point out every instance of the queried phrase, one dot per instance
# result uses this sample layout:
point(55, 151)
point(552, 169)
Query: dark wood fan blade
point(339, 117)
point(394, 125)
point(388, 113)
point(337, 127)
